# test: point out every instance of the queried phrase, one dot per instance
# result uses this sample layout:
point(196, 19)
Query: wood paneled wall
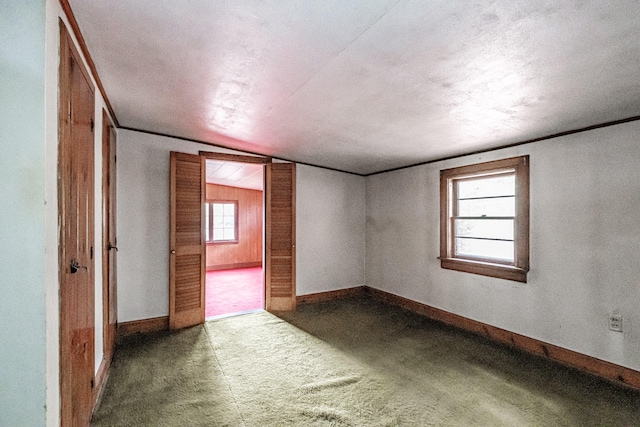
point(248, 251)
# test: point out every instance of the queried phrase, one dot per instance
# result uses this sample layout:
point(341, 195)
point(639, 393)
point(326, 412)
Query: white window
point(221, 221)
point(484, 218)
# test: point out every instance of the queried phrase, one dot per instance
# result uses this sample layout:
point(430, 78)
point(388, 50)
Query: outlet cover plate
point(615, 322)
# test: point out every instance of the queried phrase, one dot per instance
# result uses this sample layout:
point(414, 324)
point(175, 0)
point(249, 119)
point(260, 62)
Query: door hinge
point(92, 125)
point(91, 252)
point(93, 382)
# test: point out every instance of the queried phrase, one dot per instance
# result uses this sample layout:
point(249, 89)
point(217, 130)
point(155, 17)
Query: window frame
point(209, 238)
point(516, 270)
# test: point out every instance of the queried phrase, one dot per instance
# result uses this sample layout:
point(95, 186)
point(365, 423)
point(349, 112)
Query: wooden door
point(280, 237)
point(187, 244)
point(110, 241)
point(76, 211)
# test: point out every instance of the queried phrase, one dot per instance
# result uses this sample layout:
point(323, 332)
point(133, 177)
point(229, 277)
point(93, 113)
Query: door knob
point(112, 247)
point(74, 266)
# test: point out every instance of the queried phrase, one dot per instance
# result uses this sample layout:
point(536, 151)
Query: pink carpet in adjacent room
point(233, 291)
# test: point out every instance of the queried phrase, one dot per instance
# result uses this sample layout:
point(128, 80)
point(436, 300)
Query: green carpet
point(354, 362)
point(166, 380)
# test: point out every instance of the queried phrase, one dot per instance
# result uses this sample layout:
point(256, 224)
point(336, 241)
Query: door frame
point(238, 158)
point(266, 234)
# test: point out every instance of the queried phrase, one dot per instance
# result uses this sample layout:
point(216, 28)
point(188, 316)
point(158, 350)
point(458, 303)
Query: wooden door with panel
point(110, 243)
point(76, 225)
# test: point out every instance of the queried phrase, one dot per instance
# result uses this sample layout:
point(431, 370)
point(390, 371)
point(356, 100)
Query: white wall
point(22, 216)
point(585, 199)
point(329, 225)
point(330, 230)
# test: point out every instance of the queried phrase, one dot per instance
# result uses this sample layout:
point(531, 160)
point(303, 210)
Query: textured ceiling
point(234, 174)
point(365, 85)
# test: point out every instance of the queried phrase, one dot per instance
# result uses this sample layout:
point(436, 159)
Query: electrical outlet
point(615, 322)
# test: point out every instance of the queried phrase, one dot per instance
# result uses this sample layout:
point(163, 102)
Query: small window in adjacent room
point(484, 218)
point(221, 221)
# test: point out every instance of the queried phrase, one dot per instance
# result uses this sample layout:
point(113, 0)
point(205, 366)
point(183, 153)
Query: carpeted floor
point(354, 362)
point(233, 291)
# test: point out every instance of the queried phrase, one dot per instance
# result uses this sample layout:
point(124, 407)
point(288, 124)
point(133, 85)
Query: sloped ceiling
point(365, 85)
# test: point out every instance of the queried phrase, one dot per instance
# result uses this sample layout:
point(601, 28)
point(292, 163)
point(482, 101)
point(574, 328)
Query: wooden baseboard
point(330, 295)
point(618, 374)
point(232, 266)
point(143, 326)
point(607, 370)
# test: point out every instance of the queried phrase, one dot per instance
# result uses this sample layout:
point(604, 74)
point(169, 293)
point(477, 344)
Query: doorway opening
point(234, 235)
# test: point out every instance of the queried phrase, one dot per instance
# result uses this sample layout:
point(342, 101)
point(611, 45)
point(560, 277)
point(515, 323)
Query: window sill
point(223, 242)
point(500, 271)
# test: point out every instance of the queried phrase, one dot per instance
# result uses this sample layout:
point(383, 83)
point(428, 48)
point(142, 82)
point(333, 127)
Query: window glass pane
point(504, 206)
point(496, 185)
point(484, 228)
point(228, 222)
point(218, 221)
point(218, 209)
point(218, 234)
point(229, 234)
point(229, 209)
point(494, 249)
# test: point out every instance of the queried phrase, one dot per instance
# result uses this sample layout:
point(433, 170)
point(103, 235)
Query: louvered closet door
point(187, 251)
point(281, 237)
